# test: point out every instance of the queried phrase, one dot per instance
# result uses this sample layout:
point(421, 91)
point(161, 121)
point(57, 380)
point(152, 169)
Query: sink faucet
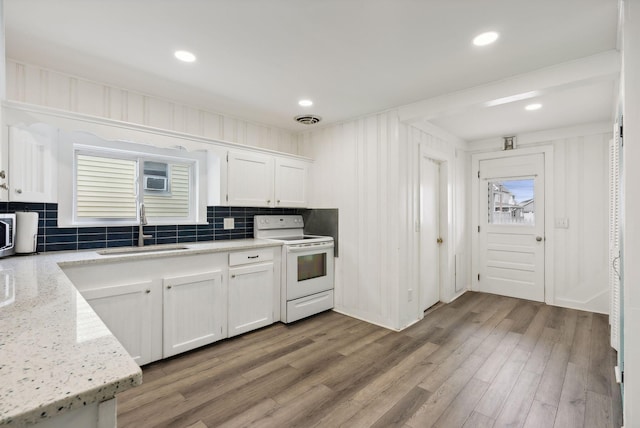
point(143, 221)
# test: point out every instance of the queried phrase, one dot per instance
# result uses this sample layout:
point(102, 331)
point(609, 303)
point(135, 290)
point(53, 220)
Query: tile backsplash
point(53, 238)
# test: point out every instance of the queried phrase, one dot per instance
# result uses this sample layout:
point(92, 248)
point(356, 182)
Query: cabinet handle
point(18, 191)
point(252, 257)
point(168, 287)
point(147, 291)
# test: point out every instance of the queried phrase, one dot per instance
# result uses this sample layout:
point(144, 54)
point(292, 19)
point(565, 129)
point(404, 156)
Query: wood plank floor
point(481, 361)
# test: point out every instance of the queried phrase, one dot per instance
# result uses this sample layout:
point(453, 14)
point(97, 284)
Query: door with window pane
point(511, 226)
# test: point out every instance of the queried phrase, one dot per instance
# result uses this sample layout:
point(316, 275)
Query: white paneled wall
point(580, 194)
point(35, 85)
point(368, 169)
point(356, 170)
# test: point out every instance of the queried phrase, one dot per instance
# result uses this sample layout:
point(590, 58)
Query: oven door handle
point(308, 248)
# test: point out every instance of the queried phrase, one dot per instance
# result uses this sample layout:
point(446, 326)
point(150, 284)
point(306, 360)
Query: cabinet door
point(249, 180)
point(291, 183)
point(127, 311)
point(250, 298)
point(194, 310)
point(32, 164)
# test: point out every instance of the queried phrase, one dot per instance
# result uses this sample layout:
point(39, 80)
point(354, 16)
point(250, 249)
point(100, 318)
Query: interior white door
point(511, 226)
point(429, 232)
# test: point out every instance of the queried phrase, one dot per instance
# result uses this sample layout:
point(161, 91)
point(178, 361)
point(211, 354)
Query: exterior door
point(511, 226)
point(430, 240)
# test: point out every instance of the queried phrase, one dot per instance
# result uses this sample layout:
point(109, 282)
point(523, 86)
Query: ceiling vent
point(307, 119)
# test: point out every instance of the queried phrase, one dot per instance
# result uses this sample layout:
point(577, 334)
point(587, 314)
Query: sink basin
point(141, 250)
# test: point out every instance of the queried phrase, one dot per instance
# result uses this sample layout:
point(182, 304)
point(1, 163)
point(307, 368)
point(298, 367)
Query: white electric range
point(307, 265)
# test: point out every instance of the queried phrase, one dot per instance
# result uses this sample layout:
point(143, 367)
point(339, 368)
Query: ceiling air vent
point(307, 119)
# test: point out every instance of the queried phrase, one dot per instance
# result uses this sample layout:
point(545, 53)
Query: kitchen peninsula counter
point(56, 354)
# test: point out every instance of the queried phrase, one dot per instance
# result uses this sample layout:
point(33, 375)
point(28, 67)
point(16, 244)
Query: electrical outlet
point(229, 223)
point(411, 294)
point(562, 223)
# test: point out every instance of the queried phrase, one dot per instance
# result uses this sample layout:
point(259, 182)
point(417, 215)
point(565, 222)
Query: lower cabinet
point(250, 297)
point(127, 311)
point(161, 307)
point(195, 311)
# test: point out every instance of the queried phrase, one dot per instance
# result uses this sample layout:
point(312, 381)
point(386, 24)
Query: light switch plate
point(229, 223)
point(562, 223)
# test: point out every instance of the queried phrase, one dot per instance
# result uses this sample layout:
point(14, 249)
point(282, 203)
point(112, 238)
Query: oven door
point(309, 269)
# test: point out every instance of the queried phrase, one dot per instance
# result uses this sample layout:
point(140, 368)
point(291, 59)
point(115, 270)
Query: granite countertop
point(55, 352)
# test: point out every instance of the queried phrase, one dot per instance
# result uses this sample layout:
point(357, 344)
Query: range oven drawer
point(250, 256)
point(309, 305)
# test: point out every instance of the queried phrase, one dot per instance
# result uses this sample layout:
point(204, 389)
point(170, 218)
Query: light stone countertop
point(55, 352)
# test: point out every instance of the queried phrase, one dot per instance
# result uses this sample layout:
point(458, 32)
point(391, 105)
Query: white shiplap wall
point(580, 194)
point(35, 85)
point(368, 169)
point(356, 170)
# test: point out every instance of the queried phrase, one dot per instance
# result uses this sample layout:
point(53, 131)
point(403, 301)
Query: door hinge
point(478, 228)
point(227, 156)
point(478, 174)
point(478, 277)
point(227, 197)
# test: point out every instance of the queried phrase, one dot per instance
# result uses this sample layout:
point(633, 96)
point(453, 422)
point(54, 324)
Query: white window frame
point(88, 144)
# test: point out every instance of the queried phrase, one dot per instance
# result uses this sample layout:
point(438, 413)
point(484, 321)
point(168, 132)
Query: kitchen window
point(110, 181)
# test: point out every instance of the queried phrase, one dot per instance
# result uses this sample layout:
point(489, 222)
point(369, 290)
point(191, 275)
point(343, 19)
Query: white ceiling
point(257, 58)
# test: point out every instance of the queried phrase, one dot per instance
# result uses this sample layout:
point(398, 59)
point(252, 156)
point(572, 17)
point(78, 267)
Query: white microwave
point(156, 183)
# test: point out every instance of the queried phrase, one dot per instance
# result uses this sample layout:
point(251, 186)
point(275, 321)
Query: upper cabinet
point(32, 169)
point(261, 180)
point(249, 179)
point(292, 183)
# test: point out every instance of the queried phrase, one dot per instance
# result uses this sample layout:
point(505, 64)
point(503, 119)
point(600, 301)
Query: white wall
point(368, 169)
point(35, 85)
point(580, 194)
point(631, 209)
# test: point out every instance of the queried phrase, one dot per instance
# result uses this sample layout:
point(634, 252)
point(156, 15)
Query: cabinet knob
point(268, 201)
point(278, 200)
point(3, 174)
point(147, 291)
point(233, 276)
point(4, 186)
point(168, 287)
point(18, 191)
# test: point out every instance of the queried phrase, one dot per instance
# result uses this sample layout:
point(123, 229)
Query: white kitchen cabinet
point(249, 179)
point(250, 297)
point(195, 311)
point(291, 183)
point(261, 180)
point(127, 311)
point(32, 169)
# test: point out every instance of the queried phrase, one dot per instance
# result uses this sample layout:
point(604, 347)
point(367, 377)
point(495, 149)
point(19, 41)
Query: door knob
point(538, 238)
point(439, 241)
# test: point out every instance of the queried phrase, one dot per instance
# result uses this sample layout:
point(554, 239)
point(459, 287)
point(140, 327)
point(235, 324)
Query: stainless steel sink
point(141, 250)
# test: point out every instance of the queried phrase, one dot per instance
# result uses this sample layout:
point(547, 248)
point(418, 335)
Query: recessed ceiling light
point(535, 106)
point(305, 103)
point(185, 56)
point(485, 38)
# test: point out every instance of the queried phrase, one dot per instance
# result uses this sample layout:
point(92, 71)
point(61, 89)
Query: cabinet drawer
point(251, 256)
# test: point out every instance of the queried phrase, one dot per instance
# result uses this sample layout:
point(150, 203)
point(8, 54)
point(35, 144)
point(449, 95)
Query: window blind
point(175, 202)
point(105, 187)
